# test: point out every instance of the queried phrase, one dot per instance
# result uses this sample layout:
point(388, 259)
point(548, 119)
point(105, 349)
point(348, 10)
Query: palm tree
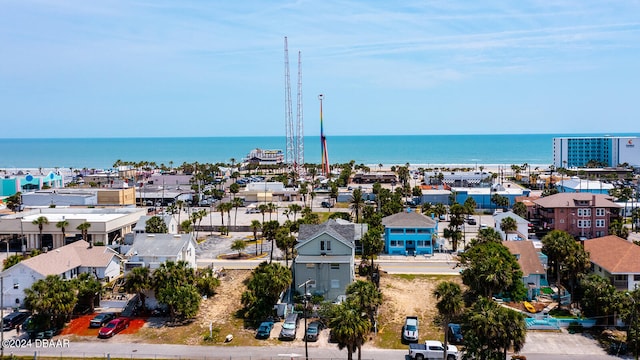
point(41, 221)
point(294, 209)
point(137, 281)
point(236, 203)
point(62, 224)
point(222, 208)
point(508, 225)
point(450, 304)
point(255, 225)
point(356, 203)
point(349, 328)
point(366, 296)
point(84, 229)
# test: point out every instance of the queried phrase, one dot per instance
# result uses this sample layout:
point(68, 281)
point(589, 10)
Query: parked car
point(410, 329)
point(313, 331)
point(455, 334)
point(326, 204)
point(471, 221)
point(113, 327)
point(14, 319)
point(101, 319)
point(432, 349)
point(264, 330)
point(289, 327)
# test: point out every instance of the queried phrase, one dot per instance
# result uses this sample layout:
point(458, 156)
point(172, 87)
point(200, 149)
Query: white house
point(169, 220)
point(522, 226)
point(151, 250)
point(67, 262)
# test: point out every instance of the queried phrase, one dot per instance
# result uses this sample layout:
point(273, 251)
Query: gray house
point(326, 257)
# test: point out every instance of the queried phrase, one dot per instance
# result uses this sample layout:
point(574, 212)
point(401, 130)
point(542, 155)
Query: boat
point(529, 306)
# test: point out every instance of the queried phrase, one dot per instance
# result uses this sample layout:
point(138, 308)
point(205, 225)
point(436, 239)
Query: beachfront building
point(268, 191)
point(151, 250)
point(326, 256)
point(410, 233)
point(534, 274)
point(107, 226)
point(67, 262)
point(610, 151)
point(265, 157)
point(575, 184)
point(11, 184)
point(523, 225)
point(580, 214)
point(458, 178)
point(615, 259)
point(80, 197)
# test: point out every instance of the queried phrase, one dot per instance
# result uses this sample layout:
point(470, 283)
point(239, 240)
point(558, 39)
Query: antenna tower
point(289, 156)
point(299, 141)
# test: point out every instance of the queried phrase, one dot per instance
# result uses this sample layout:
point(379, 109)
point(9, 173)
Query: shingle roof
point(527, 256)
point(62, 259)
point(159, 244)
point(346, 230)
point(408, 219)
point(614, 254)
point(569, 200)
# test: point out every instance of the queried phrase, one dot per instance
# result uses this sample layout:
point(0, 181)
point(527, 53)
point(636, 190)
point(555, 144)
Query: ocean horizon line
point(610, 134)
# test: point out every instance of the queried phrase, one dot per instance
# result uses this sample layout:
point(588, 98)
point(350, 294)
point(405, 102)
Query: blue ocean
point(102, 153)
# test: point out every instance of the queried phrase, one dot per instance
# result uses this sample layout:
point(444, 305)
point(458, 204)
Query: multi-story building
point(580, 214)
point(610, 150)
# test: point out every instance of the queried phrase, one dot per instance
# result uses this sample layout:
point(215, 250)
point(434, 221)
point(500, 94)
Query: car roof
point(16, 314)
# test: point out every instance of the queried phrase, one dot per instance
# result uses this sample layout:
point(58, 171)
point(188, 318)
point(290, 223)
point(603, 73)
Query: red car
point(113, 327)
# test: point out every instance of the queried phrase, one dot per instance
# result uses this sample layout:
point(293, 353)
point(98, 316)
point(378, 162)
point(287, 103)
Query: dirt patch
point(408, 295)
point(80, 326)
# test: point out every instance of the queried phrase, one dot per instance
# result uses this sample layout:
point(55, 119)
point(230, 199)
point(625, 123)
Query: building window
point(396, 231)
point(584, 212)
point(335, 266)
point(325, 245)
point(393, 243)
point(584, 224)
point(424, 231)
point(599, 223)
point(636, 277)
point(311, 266)
point(600, 212)
point(328, 245)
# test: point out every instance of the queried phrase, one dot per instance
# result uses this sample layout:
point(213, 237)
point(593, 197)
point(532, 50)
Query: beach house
point(410, 233)
point(326, 256)
point(615, 259)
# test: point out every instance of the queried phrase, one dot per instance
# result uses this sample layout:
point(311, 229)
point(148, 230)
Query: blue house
point(409, 233)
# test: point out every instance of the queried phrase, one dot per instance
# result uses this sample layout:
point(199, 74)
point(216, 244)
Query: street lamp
point(306, 348)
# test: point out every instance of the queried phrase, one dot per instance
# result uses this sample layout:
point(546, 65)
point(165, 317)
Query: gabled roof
point(570, 200)
point(408, 219)
point(614, 254)
point(347, 230)
point(331, 228)
point(160, 245)
point(65, 258)
point(527, 256)
point(519, 220)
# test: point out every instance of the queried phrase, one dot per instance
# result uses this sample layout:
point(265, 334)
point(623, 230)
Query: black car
point(101, 319)
point(313, 331)
point(471, 221)
point(14, 319)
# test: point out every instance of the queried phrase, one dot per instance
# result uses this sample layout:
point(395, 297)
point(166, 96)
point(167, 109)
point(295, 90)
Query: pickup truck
point(432, 349)
point(410, 329)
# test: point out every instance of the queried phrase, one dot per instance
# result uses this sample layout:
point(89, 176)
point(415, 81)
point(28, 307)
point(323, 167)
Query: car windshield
point(411, 328)
point(312, 330)
point(263, 328)
point(110, 325)
point(288, 326)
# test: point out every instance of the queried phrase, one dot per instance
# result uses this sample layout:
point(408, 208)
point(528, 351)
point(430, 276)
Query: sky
point(160, 68)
